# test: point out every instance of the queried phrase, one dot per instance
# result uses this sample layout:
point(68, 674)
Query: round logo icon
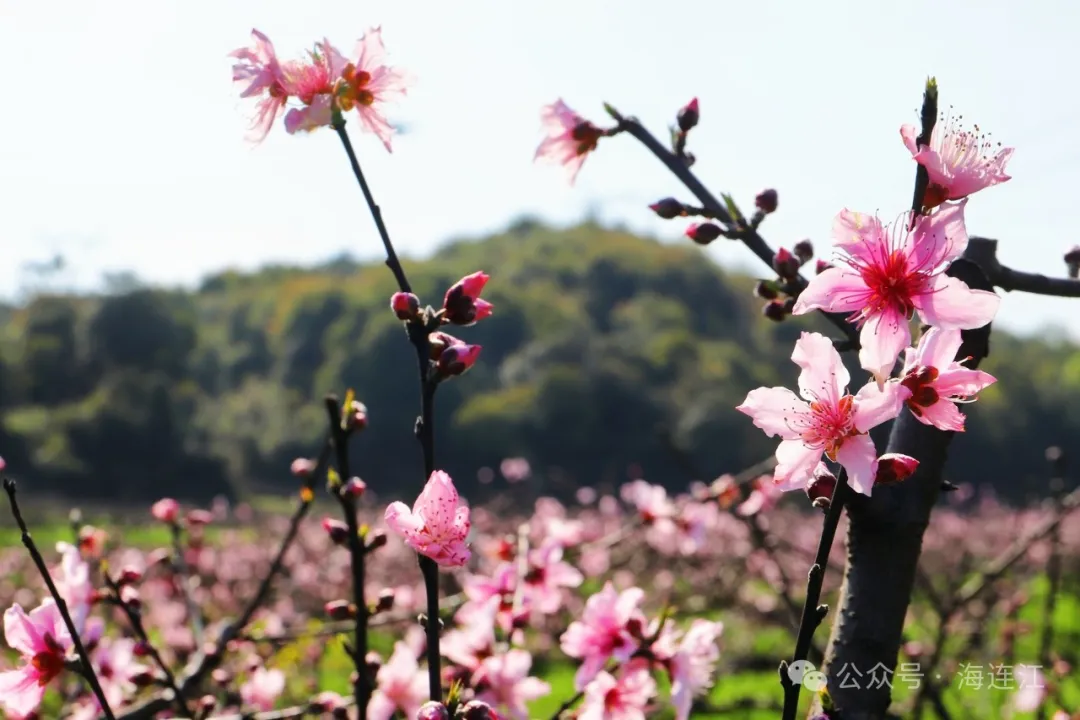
point(797, 670)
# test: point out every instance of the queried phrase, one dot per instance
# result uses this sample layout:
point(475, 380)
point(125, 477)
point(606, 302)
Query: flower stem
point(39, 561)
point(425, 429)
point(813, 613)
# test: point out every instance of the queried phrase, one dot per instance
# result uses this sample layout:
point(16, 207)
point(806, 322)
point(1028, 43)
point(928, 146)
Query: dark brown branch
point(984, 252)
point(87, 669)
point(749, 236)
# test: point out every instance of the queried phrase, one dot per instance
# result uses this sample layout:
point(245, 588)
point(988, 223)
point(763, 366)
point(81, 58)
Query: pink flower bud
point(336, 529)
point(207, 703)
point(765, 289)
point(767, 201)
point(894, 468)
point(355, 487)
point(475, 710)
point(302, 467)
point(775, 311)
point(128, 576)
point(667, 208)
point(165, 510)
point(821, 487)
point(804, 250)
point(221, 676)
point(821, 266)
point(462, 304)
point(703, 233)
point(359, 415)
point(688, 116)
point(432, 710)
point(785, 264)
point(340, 610)
point(456, 359)
point(376, 540)
point(405, 305)
point(199, 517)
point(143, 678)
point(129, 595)
point(141, 649)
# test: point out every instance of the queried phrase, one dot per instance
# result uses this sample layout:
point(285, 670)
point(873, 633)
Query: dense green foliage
point(606, 351)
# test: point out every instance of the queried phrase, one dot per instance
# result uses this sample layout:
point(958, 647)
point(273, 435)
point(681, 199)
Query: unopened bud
point(821, 487)
point(405, 305)
point(302, 467)
point(767, 201)
point(475, 710)
point(221, 676)
point(688, 116)
point(128, 576)
point(207, 703)
point(377, 540)
point(456, 359)
point(667, 208)
point(894, 468)
point(130, 597)
point(386, 600)
point(804, 250)
point(1072, 260)
point(774, 311)
point(340, 610)
point(143, 678)
point(142, 649)
point(359, 415)
point(355, 487)
point(766, 290)
point(785, 264)
point(703, 233)
point(432, 710)
point(336, 529)
point(821, 266)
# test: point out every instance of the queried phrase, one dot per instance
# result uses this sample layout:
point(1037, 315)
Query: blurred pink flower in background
point(569, 138)
point(507, 685)
point(515, 469)
point(603, 631)
point(263, 688)
point(399, 686)
point(624, 697)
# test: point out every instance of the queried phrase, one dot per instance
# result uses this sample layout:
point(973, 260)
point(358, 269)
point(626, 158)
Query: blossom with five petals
point(619, 698)
point(399, 686)
point(892, 272)
point(437, 525)
point(504, 682)
point(603, 632)
point(933, 381)
point(43, 641)
point(825, 419)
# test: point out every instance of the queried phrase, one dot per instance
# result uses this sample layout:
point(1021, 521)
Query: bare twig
point(984, 252)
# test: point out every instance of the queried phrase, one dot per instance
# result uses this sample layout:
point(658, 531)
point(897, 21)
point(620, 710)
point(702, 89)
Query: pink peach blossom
point(691, 661)
point(825, 420)
point(959, 162)
point(762, 498)
point(73, 582)
point(474, 638)
point(114, 661)
point(263, 688)
point(367, 83)
point(438, 523)
point(622, 698)
point(891, 273)
point(43, 641)
point(933, 381)
point(507, 685)
point(259, 71)
point(546, 577)
point(603, 632)
point(399, 686)
point(570, 138)
point(165, 510)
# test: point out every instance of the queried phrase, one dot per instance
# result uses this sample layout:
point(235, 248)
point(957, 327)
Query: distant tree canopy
point(608, 355)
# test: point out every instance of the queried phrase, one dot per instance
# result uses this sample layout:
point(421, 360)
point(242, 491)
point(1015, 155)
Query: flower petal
point(944, 415)
point(952, 304)
point(20, 631)
point(876, 404)
point(938, 238)
point(401, 520)
point(962, 382)
point(938, 348)
point(795, 463)
point(835, 290)
point(883, 338)
point(857, 234)
point(910, 133)
point(775, 410)
point(859, 458)
point(823, 373)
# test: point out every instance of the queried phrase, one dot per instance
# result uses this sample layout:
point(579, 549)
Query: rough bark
point(883, 545)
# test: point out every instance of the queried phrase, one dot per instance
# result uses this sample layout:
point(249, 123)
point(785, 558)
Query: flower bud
point(766, 290)
point(1072, 260)
point(385, 601)
point(688, 116)
point(129, 595)
point(821, 266)
point(378, 539)
point(894, 468)
point(462, 304)
point(198, 517)
point(143, 678)
point(432, 710)
point(475, 710)
point(128, 576)
point(703, 233)
point(785, 264)
point(336, 529)
point(340, 610)
point(767, 201)
point(359, 417)
point(165, 510)
point(821, 487)
point(207, 703)
point(142, 649)
point(221, 676)
point(302, 467)
point(355, 487)
point(456, 359)
point(405, 305)
point(667, 208)
point(774, 311)
point(804, 250)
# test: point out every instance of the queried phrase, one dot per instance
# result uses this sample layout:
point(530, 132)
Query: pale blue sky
point(122, 138)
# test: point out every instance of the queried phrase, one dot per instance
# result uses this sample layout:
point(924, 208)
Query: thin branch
point(749, 236)
point(290, 713)
point(813, 613)
point(183, 577)
point(84, 657)
point(134, 617)
point(984, 252)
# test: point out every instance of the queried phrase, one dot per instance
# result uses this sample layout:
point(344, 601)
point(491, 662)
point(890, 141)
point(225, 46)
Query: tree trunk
point(883, 544)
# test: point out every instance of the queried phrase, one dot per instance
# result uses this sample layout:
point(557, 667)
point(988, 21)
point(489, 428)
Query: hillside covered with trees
point(608, 355)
